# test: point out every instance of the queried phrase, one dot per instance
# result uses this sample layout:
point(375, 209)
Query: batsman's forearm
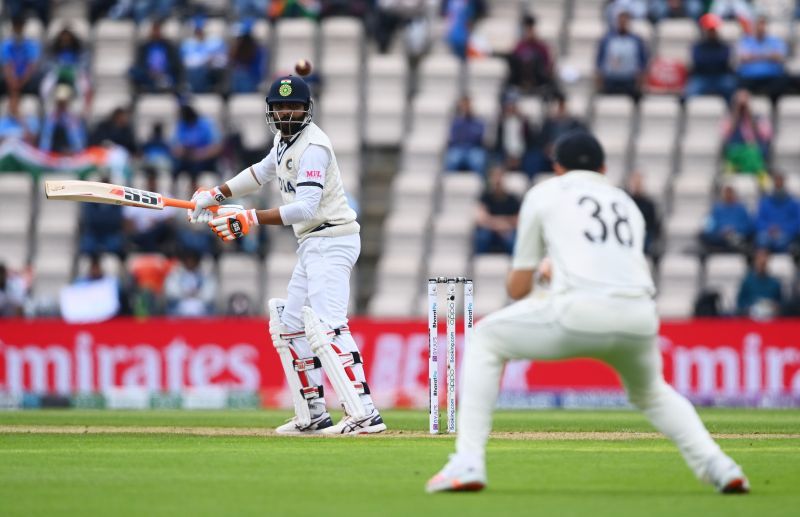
point(269, 216)
point(242, 184)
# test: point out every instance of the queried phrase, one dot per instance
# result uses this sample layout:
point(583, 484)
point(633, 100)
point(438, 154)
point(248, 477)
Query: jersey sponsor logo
point(314, 175)
point(286, 186)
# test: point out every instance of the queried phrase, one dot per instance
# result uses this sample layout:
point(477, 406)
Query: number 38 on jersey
point(607, 222)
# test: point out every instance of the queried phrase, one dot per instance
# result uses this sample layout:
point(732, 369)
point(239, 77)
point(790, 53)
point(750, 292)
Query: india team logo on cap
point(286, 88)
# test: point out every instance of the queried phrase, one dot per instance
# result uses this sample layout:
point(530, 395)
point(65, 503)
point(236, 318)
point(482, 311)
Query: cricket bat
point(96, 192)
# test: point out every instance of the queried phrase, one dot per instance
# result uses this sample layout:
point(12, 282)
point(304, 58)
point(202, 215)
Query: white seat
point(15, 198)
point(724, 273)
point(170, 29)
point(246, 115)
point(152, 108)
point(210, 105)
point(460, 192)
point(485, 76)
point(296, 39)
point(675, 38)
point(239, 273)
point(439, 74)
point(279, 267)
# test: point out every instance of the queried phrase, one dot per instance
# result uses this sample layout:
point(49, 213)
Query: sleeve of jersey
point(529, 248)
point(310, 184)
point(252, 178)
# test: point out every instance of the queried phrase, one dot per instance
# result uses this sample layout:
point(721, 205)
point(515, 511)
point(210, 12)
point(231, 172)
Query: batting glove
point(233, 222)
point(204, 198)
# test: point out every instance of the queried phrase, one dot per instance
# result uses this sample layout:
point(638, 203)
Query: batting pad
point(332, 364)
point(276, 328)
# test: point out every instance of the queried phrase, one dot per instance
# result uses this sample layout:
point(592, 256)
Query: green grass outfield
point(543, 463)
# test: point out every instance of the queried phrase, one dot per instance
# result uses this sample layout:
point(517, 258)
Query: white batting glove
point(233, 222)
point(204, 198)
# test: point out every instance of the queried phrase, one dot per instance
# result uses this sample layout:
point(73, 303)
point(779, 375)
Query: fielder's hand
point(233, 222)
point(204, 198)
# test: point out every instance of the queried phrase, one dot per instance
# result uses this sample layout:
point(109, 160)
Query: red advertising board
point(715, 360)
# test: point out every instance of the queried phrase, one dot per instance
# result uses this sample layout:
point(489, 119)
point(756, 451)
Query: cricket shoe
point(726, 476)
point(461, 474)
point(317, 425)
point(370, 424)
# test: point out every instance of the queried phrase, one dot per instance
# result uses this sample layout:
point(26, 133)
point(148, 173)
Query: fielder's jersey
point(333, 216)
point(592, 231)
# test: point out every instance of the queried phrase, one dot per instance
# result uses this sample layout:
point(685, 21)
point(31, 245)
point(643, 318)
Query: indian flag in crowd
point(18, 156)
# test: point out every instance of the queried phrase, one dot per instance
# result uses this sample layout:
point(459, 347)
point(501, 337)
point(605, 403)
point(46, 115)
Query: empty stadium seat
point(295, 39)
point(246, 115)
point(152, 108)
point(724, 274)
point(387, 77)
point(240, 273)
point(16, 197)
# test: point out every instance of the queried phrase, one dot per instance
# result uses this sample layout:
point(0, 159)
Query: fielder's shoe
point(370, 424)
point(461, 474)
point(317, 425)
point(726, 476)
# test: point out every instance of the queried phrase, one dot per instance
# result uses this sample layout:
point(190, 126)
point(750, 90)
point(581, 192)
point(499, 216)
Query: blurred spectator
point(746, 137)
point(190, 292)
point(204, 59)
point(239, 304)
point(12, 293)
point(295, 9)
point(530, 63)
point(559, 121)
point(257, 9)
point(621, 60)
point(661, 9)
point(93, 298)
point(148, 272)
point(116, 128)
point(637, 9)
point(62, 130)
point(141, 10)
point(465, 146)
point(729, 227)
point(740, 10)
point(195, 145)
point(101, 229)
point(67, 63)
point(357, 8)
point(156, 151)
point(711, 72)
point(513, 134)
point(652, 219)
point(760, 293)
point(791, 307)
point(761, 59)
point(414, 15)
point(778, 219)
point(20, 58)
point(16, 8)
point(461, 16)
point(149, 230)
point(14, 125)
point(247, 60)
point(496, 220)
point(157, 66)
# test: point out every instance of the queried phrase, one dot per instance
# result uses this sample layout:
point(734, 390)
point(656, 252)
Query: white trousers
point(618, 331)
point(321, 280)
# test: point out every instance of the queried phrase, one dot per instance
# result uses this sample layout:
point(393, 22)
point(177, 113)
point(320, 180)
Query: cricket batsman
point(600, 306)
point(309, 328)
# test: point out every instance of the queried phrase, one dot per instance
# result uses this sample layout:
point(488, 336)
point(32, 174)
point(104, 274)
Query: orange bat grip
point(180, 203)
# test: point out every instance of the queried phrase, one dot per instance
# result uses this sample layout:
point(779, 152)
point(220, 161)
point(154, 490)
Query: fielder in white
point(309, 328)
point(600, 306)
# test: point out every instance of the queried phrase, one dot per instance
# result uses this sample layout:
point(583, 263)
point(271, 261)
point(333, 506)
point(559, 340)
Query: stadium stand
point(369, 101)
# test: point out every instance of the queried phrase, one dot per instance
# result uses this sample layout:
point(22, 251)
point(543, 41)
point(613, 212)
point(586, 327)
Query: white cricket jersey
point(287, 164)
point(592, 231)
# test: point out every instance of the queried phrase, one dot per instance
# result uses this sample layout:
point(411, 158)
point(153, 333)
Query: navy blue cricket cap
point(289, 88)
point(579, 150)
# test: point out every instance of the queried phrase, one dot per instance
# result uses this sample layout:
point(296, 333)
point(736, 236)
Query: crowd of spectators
point(58, 73)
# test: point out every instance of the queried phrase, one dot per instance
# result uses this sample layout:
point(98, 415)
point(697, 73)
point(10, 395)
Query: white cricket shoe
point(370, 424)
point(317, 425)
point(461, 474)
point(726, 476)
